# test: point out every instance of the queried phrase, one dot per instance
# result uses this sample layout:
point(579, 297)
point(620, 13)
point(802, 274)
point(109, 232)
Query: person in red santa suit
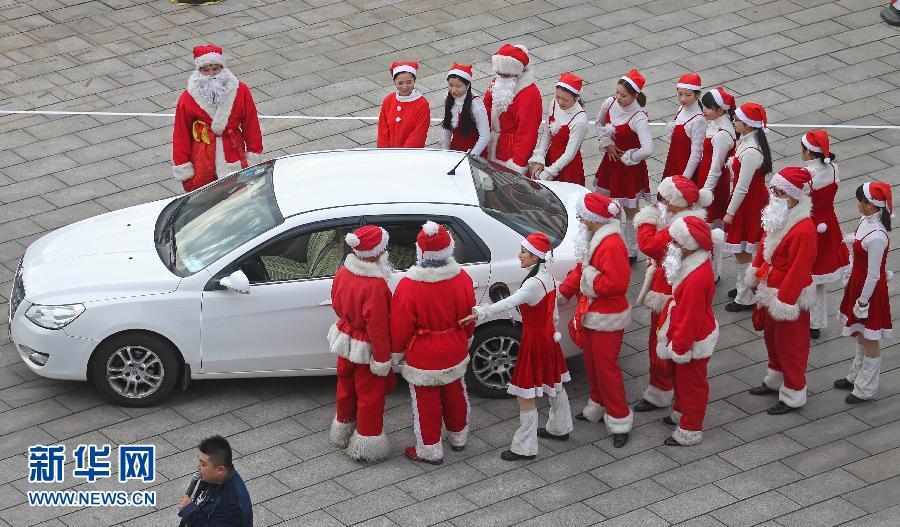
point(623, 132)
point(540, 366)
point(689, 331)
point(782, 275)
point(466, 127)
point(514, 106)
point(832, 256)
point(557, 156)
point(216, 125)
point(601, 276)
point(678, 198)
point(687, 131)
point(405, 114)
point(425, 311)
point(361, 339)
point(866, 308)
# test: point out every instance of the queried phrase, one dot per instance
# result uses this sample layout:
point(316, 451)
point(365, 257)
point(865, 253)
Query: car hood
point(107, 256)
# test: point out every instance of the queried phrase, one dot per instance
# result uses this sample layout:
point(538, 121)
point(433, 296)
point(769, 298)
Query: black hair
point(708, 101)
point(573, 94)
point(763, 142)
point(818, 155)
point(466, 122)
point(885, 215)
point(641, 98)
point(534, 270)
point(394, 77)
point(218, 450)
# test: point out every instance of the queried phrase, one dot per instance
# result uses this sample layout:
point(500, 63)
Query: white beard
point(503, 91)
point(664, 215)
point(774, 214)
point(210, 88)
point(582, 242)
point(672, 262)
point(384, 263)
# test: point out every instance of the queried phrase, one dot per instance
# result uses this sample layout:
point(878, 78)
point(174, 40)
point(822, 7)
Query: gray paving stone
point(761, 451)
point(692, 503)
point(633, 468)
point(565, 492)
point(832, 512)
point(638, 517)
point(501, 487)
point(758, 480)
point(878, 467)
point(628, 498)
point(755, 510)
point(507, 512)
point(826, 457)
point(822, 486)
point(696, 474)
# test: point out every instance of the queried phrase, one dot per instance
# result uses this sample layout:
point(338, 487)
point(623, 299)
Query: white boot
point(744, 293)
point(857, 362)
point(340, 433)
point(866, 385)
point(630, 232)
point(818, 315)
point(525, 442)
point(559, 420)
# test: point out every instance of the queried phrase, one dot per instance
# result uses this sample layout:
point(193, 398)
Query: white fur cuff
point(677, 358)
point(792, 398)
point(253, 158)
point(593, 411)
point(750, 278)
point(649, 214)
point(379, 368)
point(859, 311)
point(687, 437)
point(183, 172)
point(589, 273)
point(619, 425)
point(783, 312)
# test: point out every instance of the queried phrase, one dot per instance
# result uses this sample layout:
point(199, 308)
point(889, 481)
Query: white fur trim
point(620, 425)
point(443, 254)
point(809, 146)
point(362, 268)
point(379, 368)
point(687, 86)
point(404, 68)
point(675, 357)
point(343, 345)
point(670, 193)
point(593, 411)
point(609, 228)
point(792, 398)
point(418, 377)
point(568, 87)
point(183, 172)
point(687, 437)
point(768, 297)
point(414, 95)
point(750, 278)
point(859, 327)
point(434, 274)
point(717, 95)
point(340, 433)
point(680, 233)
point(606, 321)
point(648, 215)
point(795, 215)
point(773, 378)
point(369, 448)
point(822, 227)
point(352, 240)
point(737, 248)
point(378, 249)
point(433, 452)
point(706, 198)
point(831, 277)
point(656, 300)
point(700, 349)
point(877, 202)
point(460, 73)
point(221, 113)
point(209, 58)
point(632, 83)
point(430, 228)
point(224, 168)
point(532, 249)
point(557, 336)
point(506, 65)
point(539, 391)
point(397, 358)
point(589, 273)
point(253, 158)
point(458, 438)
point(676, 416)
point(749, 122)
point(658, 397)
point(778, 181)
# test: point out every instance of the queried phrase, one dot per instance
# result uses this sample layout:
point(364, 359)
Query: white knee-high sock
point(866, 385)
point(857, 361)
point(818, 315)
point(559, 420)
point(744, 293)
point(525, 441)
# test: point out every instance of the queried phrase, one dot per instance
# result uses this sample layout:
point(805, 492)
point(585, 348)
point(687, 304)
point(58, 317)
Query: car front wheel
point(493, 356)
point(135, 369)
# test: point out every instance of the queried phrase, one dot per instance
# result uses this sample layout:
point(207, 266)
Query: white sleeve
point(697, 133)
point(721, 145)
point(604, 130)
point(577, 131)
point(483, 125)
point(446, 135)
point(531, 293)
point(751, 160)
point(641, 125)
point(875, 246)
point(540, 149)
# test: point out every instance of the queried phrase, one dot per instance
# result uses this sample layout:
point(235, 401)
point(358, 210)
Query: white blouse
point(822, 174)
point(695, 128)
point(751, 159)
point(875, 242)
point(482, 124)
point(721, 133)
point(532, 292)
point(577, 130)
point(640, 123)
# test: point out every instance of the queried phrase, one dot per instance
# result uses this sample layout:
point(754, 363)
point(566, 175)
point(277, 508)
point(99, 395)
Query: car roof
point(339, 178)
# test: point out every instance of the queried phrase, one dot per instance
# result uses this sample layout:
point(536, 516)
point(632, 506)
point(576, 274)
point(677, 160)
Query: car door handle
point(326, 302)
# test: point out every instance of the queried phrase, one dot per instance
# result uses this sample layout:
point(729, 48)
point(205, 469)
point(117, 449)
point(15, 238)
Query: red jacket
point(783, 264)
point(404, 121)
point(688, 328)
point(514, 133)
point(361, 299)
point(427, 306)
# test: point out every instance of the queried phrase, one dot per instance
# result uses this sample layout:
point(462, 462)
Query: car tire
point(493, 356)
point(135, 369)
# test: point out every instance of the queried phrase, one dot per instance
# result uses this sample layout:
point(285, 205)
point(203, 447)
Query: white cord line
point(364, 118)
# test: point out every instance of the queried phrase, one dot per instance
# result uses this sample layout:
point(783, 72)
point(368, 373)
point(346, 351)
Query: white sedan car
point(234, 279)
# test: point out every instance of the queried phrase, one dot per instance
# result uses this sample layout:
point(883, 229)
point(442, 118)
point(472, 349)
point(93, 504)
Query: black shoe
point(632, 260)
point(509, 455)
point(459, 448)
point(852, 399)
point(779, 408)
point(762, 389)
point(542, 432)
point(644, 406)
point(670, 441)
point(815, 333)
point(734, 307)
point(669, 421)
point(843, 384)
point(732, 293)
point(619, 440)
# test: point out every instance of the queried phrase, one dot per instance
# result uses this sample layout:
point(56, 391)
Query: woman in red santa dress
point(687, 131)
point(361, 339)
point(425, 311)
point(832, 256)
point(718, 146)
point(749, 167)
point(466, 127)
point(557, 156)
point(689, 331)
point(865, 308)
point(216, 128)
point(405, 115)
point(540, 367)
point(623, 130)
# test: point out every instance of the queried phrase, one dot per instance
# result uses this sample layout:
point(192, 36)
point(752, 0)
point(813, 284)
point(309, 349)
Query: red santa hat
point(571, 82)
point(538, 244)
point(879, 194)
point(597, 208)
point(793, 181)
point(817, 141)
point(206, 55)
point(724, 99)
point(692, 233)
point(752, 115)
point(689, 81)
point(463, 71)
point(510, 59)
point(434, 242)
point(635, 79)
point(367, 241)
point(404, 67)
point(682, 192)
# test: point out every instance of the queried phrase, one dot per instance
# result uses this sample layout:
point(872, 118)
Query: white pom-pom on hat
point(827, 160)
point(351, 239)
point(889, 275)
point(820, 228)
point(557, 336)
point(430, 228)
point(705, 198)
point(614, 209)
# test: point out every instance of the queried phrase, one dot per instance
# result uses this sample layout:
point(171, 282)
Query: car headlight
point(53, 317)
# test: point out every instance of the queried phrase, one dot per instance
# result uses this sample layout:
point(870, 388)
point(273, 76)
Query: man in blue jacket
point(222, 499)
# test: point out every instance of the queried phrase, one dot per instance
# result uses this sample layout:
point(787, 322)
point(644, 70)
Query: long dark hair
point(708, 101)
point(763, 142)
point(466, 122)
point(641, 98)
point(885, 215)
point(818, 155)
point(536, 268)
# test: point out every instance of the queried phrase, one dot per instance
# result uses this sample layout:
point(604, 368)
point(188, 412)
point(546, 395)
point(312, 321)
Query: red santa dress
point(559, 148)
point(749, 196)
point(625, 180)
point(403, 121)
point(477, 140)
point(718, 145)
point(514, 129)
point(868, 282)
point(686, 134)
point(832, 256)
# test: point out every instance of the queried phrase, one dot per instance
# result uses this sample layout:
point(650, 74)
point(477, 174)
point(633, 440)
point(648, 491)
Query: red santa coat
point(425, 310)
point(514, 131)
point(403, 121)
point(361, 299)
point(234, 125)
point(783, 264)
point(688, 328)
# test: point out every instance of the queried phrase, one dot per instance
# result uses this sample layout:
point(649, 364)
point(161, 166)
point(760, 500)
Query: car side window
point(402, 243)
point(316, 254)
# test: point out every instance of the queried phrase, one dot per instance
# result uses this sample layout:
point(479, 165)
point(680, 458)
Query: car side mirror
point(237, 282)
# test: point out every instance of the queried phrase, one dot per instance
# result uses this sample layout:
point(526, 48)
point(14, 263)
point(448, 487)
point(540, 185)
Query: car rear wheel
point(135, 369)
point(493, 356)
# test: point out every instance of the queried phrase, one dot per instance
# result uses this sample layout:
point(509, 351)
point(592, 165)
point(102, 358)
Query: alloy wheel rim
point(134, 372)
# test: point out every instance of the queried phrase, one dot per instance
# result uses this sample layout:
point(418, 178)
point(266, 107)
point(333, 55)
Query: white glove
point(628, 157)
point(562, 299)
point(605, 135)
point(547, 174)
point(860, 312)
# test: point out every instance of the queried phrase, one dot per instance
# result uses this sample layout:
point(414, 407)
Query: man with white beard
point(361, 338)
point(216, 125)
point(514, 107)
point(782, 274)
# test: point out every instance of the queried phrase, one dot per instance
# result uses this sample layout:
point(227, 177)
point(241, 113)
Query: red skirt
point(540, 368)
point(878, 324)
point(745, 231)
point(626, 184)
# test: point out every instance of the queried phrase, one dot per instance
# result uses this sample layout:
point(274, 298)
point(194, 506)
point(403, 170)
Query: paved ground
point(808, 61)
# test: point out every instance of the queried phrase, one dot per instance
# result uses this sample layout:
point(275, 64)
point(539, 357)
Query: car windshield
point(207, 224)
point(522, 204)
